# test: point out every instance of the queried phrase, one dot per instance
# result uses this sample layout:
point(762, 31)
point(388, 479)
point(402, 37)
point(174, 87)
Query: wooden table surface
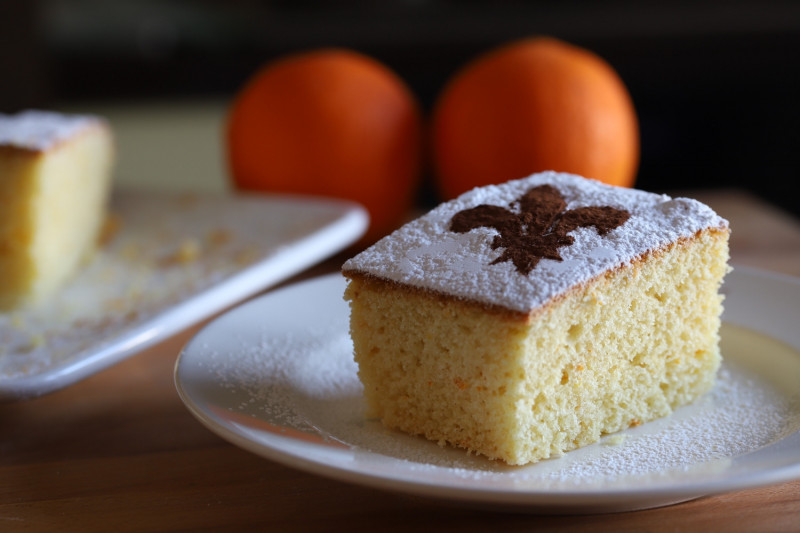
point(120, 452)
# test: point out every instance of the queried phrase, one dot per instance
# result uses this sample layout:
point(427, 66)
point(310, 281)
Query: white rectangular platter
point(173, 260)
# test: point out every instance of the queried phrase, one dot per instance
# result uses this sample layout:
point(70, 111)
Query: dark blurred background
point(715, 84)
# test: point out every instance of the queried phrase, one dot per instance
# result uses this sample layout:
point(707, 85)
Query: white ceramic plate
point(276, 377)
point(173, 260)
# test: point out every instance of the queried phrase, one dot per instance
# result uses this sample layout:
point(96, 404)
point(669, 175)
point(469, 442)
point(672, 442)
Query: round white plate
point(276, 377)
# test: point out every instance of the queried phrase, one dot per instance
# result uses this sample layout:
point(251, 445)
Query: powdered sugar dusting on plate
point(294, 378)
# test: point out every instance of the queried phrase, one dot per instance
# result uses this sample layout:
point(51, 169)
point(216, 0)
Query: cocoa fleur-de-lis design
point(538, 228)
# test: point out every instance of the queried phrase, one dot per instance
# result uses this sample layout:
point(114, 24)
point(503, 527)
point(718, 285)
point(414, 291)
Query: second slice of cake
point(523, 320)
point(55, 177)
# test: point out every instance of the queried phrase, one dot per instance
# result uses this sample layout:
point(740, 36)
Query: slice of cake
point(54, 183)
point(523, 320)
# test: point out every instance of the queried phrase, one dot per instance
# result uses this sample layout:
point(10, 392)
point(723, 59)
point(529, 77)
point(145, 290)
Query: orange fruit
point(329, 122)
point(532, 105)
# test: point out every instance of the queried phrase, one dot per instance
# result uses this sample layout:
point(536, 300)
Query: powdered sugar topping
point(41, 130)
point(427, 254)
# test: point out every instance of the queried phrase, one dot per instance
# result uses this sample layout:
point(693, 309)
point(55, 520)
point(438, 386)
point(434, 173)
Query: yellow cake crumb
point(521, 390)
point(55, 176)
